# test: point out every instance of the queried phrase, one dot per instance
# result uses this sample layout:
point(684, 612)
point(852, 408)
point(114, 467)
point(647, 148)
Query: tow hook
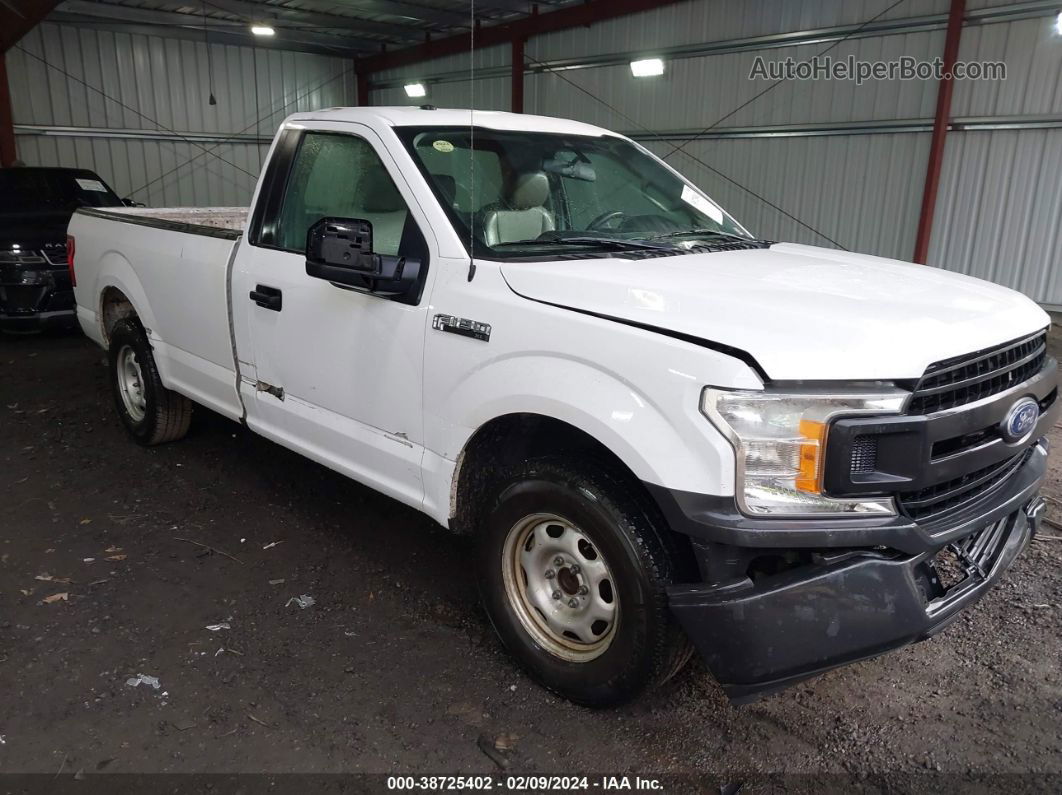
point(1034, 510)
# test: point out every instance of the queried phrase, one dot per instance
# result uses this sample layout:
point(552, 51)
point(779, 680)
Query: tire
point(151, 413)
point(584, 528)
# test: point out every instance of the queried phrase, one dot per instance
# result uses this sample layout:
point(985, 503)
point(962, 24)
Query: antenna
point(472, 140)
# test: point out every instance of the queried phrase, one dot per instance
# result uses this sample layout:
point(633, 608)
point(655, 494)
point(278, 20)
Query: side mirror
point(339, 250)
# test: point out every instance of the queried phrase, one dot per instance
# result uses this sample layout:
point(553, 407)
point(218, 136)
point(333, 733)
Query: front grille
point(952, 494)
point(966, 379)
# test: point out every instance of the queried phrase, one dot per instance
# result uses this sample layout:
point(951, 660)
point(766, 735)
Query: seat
point(383, 207)
point(524, 217)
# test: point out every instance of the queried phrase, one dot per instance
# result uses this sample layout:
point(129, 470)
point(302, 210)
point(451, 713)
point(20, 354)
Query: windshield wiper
point(702, 233)
point(614, 243)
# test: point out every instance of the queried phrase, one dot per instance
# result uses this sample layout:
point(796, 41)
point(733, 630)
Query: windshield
point(518, 193)
point(46, 190)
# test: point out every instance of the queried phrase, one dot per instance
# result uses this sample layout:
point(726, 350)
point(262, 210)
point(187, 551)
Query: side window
point(337, 175)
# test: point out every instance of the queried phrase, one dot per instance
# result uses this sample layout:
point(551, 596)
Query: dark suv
point(35, 207)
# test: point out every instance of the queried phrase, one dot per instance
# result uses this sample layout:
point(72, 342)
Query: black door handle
point(267, 297)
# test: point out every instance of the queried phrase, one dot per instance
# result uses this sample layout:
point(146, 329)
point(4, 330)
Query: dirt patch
point(393, 668)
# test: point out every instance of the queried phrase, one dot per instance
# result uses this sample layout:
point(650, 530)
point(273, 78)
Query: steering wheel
point(603, 220)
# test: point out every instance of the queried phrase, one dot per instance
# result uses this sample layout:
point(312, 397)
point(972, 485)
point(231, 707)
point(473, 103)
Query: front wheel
point(573, 572)
point(150, 412)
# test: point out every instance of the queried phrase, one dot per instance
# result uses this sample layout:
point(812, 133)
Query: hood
point(803, 313)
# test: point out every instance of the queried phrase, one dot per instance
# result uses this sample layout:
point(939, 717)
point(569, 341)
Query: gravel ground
point(394, 668)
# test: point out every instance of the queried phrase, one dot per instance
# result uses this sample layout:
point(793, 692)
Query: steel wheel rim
point(131, 384)
point(560, 587)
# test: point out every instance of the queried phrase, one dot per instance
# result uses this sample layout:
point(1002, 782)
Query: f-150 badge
point(462, 326)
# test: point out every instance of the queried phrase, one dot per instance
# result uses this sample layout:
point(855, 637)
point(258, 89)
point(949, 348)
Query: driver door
point(337, 373)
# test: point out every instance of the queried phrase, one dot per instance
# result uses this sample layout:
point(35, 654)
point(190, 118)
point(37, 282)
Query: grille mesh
point(864, 454)
point(966, 379)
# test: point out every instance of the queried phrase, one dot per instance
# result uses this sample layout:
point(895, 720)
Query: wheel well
point(114, 306)
point(508, 440)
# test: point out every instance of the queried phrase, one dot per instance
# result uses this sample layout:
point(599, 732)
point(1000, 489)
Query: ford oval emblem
point(1019, 421)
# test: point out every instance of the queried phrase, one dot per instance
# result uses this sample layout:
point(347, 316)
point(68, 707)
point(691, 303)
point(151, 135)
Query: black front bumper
point(37, 297)
point(842, 599)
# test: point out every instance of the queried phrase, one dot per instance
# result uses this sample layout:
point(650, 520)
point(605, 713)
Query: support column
point(940, 131)
point(363, 89)
point(517, 91)
point(7, 124)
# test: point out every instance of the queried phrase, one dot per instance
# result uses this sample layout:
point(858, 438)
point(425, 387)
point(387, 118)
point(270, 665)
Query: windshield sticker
point(91, 184)
point(443, 146)
point(697, 201)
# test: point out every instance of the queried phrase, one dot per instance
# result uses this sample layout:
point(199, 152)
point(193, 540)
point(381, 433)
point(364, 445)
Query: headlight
point(779, 441)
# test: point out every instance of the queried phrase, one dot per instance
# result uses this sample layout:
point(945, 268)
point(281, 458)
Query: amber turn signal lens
point(810, 460)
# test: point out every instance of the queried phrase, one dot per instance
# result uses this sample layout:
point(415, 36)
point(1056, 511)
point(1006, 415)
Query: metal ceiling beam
point(397, 8)
point(517, 6)
point(320, 44)
point(510, 6)
point(878, 127)
point(18, 17)
point(118, 13)
point(573, 16)
point(251, 12)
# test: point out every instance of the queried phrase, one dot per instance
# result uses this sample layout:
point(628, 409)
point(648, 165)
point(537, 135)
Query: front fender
point(635, 391)
point(658, 433)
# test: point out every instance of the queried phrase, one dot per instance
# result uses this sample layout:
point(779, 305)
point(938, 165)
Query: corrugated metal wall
point(696, 92)
point(108, 91)
point(719, 20)
point(843, 186)
point(489, 93)
point(1000, 213)
point(1000, 200)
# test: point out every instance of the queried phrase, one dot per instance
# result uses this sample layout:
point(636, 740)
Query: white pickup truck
point(664, 432)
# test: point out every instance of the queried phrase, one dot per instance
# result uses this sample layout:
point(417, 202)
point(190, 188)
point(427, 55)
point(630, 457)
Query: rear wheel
point(151, 413)
point(573, 572)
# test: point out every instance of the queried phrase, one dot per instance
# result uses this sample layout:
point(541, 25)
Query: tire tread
point(169, 413)
point(656, 551)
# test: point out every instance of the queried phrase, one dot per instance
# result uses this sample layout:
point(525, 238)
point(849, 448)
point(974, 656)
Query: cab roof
point(404, 116)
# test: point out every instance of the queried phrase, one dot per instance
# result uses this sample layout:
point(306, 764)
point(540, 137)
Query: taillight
point(70, 259)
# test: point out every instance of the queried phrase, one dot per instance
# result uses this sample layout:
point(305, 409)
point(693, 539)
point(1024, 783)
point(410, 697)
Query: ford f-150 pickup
point(664, 432)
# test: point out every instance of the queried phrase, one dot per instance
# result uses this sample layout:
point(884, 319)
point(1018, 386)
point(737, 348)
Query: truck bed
point(225, 222)
point(171, 265)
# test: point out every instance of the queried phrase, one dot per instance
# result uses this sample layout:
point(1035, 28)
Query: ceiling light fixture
point(649, 67)
point(262, 30)
point(414, 90)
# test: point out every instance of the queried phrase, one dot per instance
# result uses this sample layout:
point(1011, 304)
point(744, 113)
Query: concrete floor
point(394, 669)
